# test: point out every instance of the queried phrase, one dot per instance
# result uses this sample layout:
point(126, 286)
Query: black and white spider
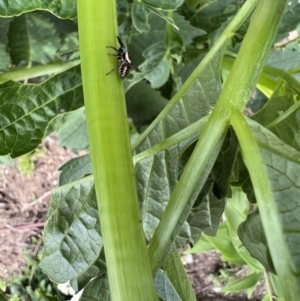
point(123, 58)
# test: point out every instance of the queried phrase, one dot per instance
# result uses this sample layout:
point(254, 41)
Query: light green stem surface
point(127, 262)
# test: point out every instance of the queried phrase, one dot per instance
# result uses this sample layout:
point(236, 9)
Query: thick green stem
point(128, 265)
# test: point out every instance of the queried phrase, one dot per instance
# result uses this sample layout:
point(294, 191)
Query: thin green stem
point(267, 206)
point(20, 74)
point(234, 25)
point(291, 110)
point(237, 90)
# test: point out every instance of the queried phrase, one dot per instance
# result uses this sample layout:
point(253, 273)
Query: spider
point(123, 58)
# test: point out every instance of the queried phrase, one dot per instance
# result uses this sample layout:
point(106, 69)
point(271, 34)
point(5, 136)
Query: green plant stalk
point(265, 84)
point(234, 25)
point(128, 266)
point(267, 207)
point(285, 76)
point(19, 74)
point(191, 181)
point(237, 90)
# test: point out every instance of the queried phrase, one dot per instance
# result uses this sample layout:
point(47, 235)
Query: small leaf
point(75, 169)
point(139, 17)
point(212, 15)
point(164, 287)
point(175, 270)
point(72, 132)
point(5, 58)
point(253, 237)
point(248, 282)
point(156, 67)
point(235, 213)
point(97, 289)
point(164, 4)
point(284, 126)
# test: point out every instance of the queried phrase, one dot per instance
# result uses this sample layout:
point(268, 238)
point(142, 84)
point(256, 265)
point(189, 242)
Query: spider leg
point(112, 70)
point(120, 42)
point(114, 48)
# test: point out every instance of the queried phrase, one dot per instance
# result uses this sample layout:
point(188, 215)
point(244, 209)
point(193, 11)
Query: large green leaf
point(32, 39)
point(157, 175)
point(61, 8)
point(72, 241)
point(5, 58)
point(26, 110)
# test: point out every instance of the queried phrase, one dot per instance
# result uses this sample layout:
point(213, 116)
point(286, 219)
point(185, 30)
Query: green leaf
point(222, 243)
point(246, 283)
point(72, 242)
point(235, 213)
point(73, 133)
point(61, 8)
point(143, 104)
point(75, 169)
point(139, 17)
point(252, 235)
point(165, 44)
point(157, 175)
point(176, 273)
point(164, 287)
point(5, 58)
point(156, 67)
point(290, 19)
point(32, 39)
point(163, 4)
point(97, 289)
point(186, 30)
point(212, 16)
point(46, 297)
point(281, 114)
point(222, 170)
point(284, 59)
point(26, 110)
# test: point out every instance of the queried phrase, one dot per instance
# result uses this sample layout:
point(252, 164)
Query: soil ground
point(24, 200)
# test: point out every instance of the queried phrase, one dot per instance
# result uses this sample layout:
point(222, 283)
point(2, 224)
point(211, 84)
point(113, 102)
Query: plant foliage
point(182, 60)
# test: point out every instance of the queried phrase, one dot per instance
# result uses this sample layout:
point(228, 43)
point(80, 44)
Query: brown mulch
point(24, 201)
